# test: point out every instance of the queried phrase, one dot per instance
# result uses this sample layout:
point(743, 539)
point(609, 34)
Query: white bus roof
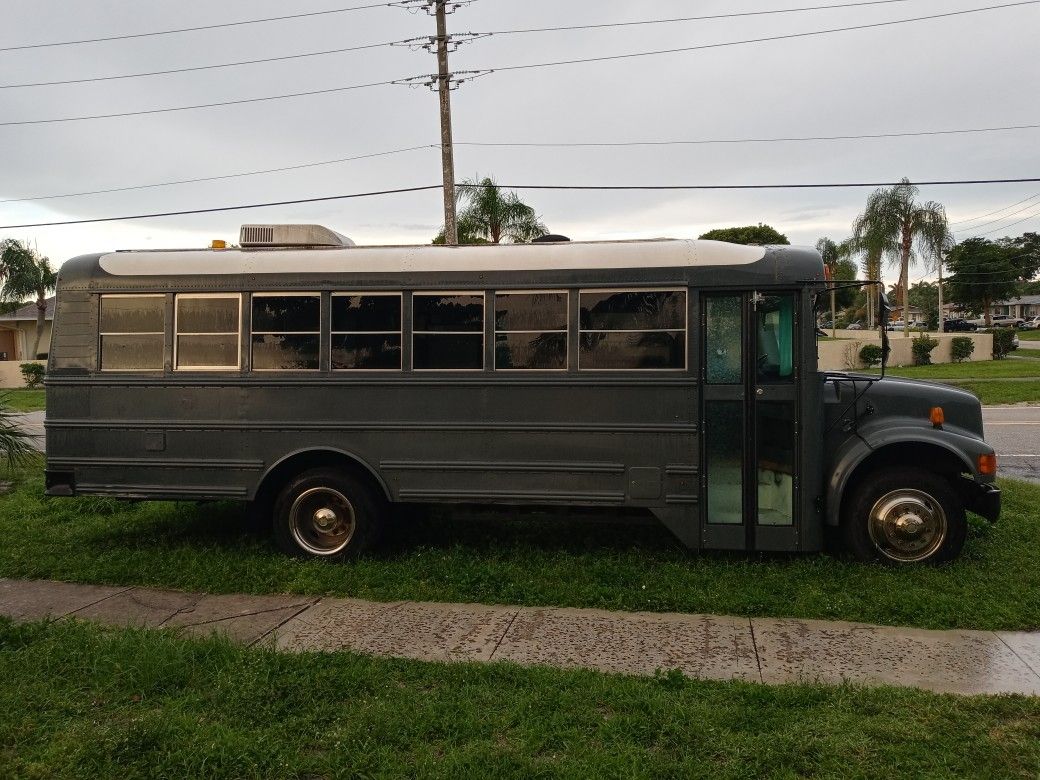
point(659, 253)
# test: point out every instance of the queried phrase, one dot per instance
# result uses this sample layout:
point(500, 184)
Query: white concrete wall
point(11, 373)
point(843, 355)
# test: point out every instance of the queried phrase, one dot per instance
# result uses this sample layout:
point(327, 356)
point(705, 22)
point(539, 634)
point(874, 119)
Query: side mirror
point(884, 308)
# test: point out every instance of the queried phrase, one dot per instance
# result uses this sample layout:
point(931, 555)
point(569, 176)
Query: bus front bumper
point(983, 500)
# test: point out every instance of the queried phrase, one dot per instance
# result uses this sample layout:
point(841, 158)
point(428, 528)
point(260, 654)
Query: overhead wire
point(222, 25)
point(788, 36)
point(528, 66)
point(788, 139)
point(361, 47)
point(991, 213)
point(616, 187)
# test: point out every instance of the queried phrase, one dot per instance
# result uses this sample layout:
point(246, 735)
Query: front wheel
point(327, 514)
point(904, 516)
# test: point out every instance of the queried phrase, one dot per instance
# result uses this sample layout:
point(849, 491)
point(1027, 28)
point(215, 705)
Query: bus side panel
point(492, 441)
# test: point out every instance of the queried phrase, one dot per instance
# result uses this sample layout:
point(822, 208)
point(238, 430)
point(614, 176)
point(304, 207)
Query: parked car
point(959, 325)
point(854, 326)
point(1007, 322)
point(1032, 323)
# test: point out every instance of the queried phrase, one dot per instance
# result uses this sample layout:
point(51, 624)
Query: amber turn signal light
point(937, 416)
point(218, 243)
point(988, 464)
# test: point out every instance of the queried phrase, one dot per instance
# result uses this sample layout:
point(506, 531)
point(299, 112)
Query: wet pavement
point(762, 650)
point(1014, 432)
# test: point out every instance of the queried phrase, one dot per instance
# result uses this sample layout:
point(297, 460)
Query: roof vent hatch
point(291, 236)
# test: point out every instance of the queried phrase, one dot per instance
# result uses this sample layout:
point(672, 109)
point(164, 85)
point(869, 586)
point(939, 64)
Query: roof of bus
point(659, 253)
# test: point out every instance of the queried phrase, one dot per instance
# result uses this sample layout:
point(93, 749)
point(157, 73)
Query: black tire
point(327, 514)
point(910, 507)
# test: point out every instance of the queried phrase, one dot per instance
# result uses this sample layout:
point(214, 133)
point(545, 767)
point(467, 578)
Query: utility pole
point(451, 230)
point(941, 328)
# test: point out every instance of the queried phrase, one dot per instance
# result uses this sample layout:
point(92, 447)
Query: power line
point(999, 219)
point(531, 144)
point(206, 67)
point(1005, 227)
point(749, 140)
point(227, 208)
point(362, 47)
point(200, 105)
point(196, 29)
point(990, 214)
point(523, 67)
point(614, 187)
point(693, 18)
point(789, 36)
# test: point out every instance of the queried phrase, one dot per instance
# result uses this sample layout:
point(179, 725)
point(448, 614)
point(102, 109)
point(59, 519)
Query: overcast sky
point(977, 70)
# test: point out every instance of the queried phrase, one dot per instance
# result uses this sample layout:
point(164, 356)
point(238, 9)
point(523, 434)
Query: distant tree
point(25, 273)
point(983, 271)
point(925, 296)
point(754, 235)
point(893, 216)
point(490, 215)
point(843, 269)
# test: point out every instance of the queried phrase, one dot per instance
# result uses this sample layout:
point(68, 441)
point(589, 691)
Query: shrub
point(1002, 341)
point(870, 355)
point(961, 348)
point(33, 373)
point(922, 348)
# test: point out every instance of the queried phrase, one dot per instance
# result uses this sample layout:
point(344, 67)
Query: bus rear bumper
point(983, 500)
point(60, 483)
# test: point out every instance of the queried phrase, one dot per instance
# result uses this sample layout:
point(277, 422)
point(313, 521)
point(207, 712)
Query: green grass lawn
point(1004, 381)
point(512, 559)
point(82, 702)
point(23, 400)
point(1029, 335)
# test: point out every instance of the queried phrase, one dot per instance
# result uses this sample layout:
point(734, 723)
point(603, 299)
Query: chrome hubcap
point(322, 521)
point(907, 525)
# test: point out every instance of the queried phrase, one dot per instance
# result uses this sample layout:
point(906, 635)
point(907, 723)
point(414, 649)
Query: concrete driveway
point(32, 423)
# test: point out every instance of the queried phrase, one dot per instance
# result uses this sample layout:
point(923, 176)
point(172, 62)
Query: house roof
point(1025, 300)
point(28, 312)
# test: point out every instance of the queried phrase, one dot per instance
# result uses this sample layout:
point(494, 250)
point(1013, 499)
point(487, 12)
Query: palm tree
point(894, 224)
point(489, 215)
point(25, 273)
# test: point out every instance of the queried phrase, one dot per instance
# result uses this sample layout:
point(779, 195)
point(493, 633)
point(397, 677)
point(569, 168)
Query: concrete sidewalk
point(704, 646)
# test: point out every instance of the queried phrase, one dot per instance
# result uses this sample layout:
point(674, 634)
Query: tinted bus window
point(448, 331)
point(207, 331)
point(366, 332)
point(633, 330)
point(286, 332)
point(531, 331)
point(131, 331)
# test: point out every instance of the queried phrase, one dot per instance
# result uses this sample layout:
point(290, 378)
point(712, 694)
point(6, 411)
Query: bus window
point(723, 452)
point(631, 330)
point(286, 331)
point(724, 346)
point(775, 333)
point(531, 331)
point(448, 331)
point(131, 330)
point(366, 332)
point(775, 446)
point(207, 327)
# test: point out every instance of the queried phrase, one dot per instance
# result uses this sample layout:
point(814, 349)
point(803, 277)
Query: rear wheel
point(904, 516)
point(327, 514)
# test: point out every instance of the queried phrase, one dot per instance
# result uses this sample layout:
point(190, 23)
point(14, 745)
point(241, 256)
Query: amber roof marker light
point(937, 416)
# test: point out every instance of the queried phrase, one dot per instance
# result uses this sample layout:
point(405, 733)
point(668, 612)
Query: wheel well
point(295, 464)
point(917, 454)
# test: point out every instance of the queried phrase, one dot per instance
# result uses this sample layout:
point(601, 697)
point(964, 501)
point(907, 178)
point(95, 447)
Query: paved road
point(1014, 431)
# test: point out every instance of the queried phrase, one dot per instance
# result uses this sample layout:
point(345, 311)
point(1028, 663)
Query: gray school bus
point(325, 382)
